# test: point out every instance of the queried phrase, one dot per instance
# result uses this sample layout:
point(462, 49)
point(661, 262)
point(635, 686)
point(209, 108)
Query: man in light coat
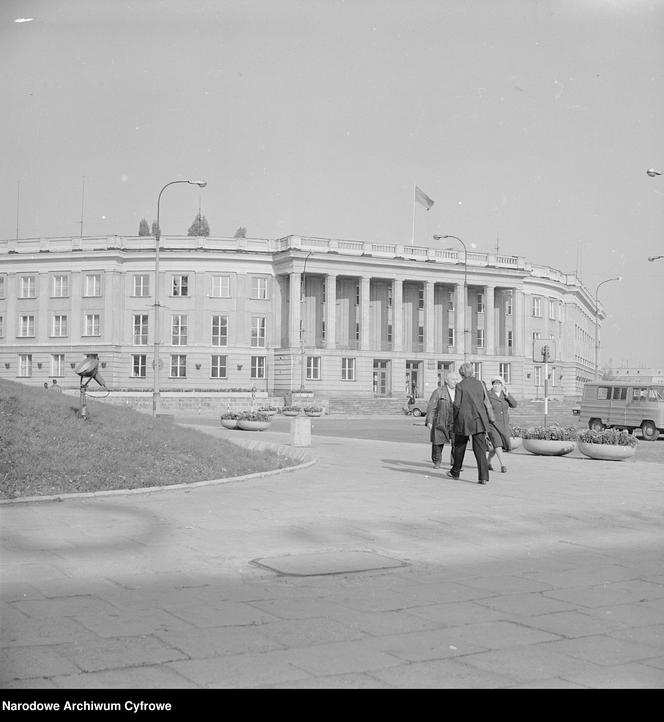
point(471, 420)
point(440, 417)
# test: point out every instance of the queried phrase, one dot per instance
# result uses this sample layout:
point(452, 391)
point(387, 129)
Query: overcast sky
point(529, 123)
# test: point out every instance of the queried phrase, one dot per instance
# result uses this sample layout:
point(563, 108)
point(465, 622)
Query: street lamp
point(617, 278)
point(156, 399)
point(465, 290)
point(652, 172)
point(302, 282)
point(654, 258)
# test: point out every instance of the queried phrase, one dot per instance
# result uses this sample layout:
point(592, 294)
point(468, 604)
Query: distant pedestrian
point(45, 385)
point(440, 417)
point(55, 387)
point(499, 431)
point(472, 415)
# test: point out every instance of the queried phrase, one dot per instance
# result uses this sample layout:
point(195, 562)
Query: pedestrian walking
point(472, 415)
point(440, 417)
point(499, 430)
point(55, 387)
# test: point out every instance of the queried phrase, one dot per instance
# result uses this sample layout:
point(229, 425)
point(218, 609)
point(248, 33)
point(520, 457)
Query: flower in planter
point(614, 437)
point(313, 409)
point(291, 409)
point(516, 432)
point(267, 408)
point(551, 433)
point(230, 415)
point(253, 416)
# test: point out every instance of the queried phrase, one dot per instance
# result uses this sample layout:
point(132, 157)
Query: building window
point(2, 326)
point(57, 364)
point(139, 365)
point(477, 369)
point(26, 326)
point(510, 339)
point(180, 285)
point(323, 296)
point(92, 324)
point(480, 338)
point(92, 284)
point(60, 286)
point(27, 287)
point(25, 365)
point(59, 328)
point(218, 366)
point(480, 303)
point(538, 375)
point(536, 335)
point(258, 367)
point(552, 310)
point(3, 285)
point(420, 334)
point(508, 305)
point(178, 366)
point(322, 330)
point(450, 337)
point(420, 298)
point(140, 329)
point(313, 368)
point(221, 286)
point(552, 376)
point(258, 287)
point(258, 331)
point(357, 294)
point(348, 369)
point(220, 330)
point(505, 370)
point(389, 333)
point(450, 300)
point(389, 296)
point(357, 331)
point(537, 307)
point(178, 330)
point(142, 285)
point(560, 311)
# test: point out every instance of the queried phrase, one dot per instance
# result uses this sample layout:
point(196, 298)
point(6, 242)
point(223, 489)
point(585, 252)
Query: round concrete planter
point(247, 425)
point(229, 423)
point(291, 413)
point(548, 447)
point(607, 452)
point(313, 413)
point(515, 443)
point(268, 412)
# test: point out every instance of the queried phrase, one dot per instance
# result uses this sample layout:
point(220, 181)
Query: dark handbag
point(488, 406)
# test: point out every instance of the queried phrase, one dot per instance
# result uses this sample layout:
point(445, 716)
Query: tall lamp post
point(302, 289)
point(652, 172)
point(617, 278)
point(465, 291)
point(156, 398)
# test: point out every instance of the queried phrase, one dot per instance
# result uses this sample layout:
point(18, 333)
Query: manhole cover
point(305, 565)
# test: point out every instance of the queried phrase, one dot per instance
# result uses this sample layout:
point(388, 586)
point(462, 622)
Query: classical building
point(341, 318)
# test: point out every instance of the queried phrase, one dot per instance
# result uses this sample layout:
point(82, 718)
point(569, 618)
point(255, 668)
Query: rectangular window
point(258, 367)
point(25, 365)
point(60, 285)
point(221, 287)
point(178, 366)
point(560, 311)
point(27, 287)
point(59, 327)
point(139, 365)
point(218, 366)
point(2, 326)
point(323, 297)
point(477, 369)
point(179, 330)
point(92, 324)
point(537, 307)
point(313, 368)
point(322, 330)
point(26, 326)
point(140, 329)
point(142, 285)
point(220, 330)
point(450, 337)
point(538, 375)
point(510, 339)
point(3, 285)
point(92, 286)
point(552, 310)
point(480, 303)
point(508, 306)
point(258, 287)
point(450, 300)
point(505, 370)
point(420, 298)
point(357, 331)
point(180, 285)
point(389, 333)
point(348, 369)
point(420, 334)
point(537, 335)
point(357, 294)
point(480, 338)
point(58, 364)
point(258, 331)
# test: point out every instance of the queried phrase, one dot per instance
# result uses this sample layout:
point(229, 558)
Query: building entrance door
point(414, 379)
point(381, 378)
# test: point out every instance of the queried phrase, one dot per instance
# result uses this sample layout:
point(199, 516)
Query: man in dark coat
point(471, 419)
point(440, 417)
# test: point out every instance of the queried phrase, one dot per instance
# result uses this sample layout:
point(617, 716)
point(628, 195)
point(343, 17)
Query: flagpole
point(412, 237)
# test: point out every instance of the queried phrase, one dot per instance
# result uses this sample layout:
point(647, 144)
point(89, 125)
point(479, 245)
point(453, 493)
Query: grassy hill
point(46, 448)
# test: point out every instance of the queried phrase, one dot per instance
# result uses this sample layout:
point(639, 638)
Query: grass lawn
point(47, 449)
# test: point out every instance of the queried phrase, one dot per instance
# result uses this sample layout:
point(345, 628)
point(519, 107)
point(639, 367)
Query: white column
point(397, 315)
point(459, 330)
point(519, 323)
point(489, 320)
point(429, 326)
point(365, 316)
point(330, 310)
point(295, 310)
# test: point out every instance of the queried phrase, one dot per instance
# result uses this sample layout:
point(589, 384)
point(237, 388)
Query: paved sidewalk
point(552, 575)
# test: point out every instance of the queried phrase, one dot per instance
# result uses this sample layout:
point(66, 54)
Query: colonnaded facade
point(337, 317)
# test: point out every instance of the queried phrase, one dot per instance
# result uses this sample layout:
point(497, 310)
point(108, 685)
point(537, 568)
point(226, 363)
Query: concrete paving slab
point(345, 562)
point(443, 674)
point(219, 641)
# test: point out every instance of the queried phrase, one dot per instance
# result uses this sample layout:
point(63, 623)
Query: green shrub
point(615, 437)
point(551, 433)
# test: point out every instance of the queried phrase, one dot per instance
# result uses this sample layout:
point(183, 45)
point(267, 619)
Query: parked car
point(418, 407)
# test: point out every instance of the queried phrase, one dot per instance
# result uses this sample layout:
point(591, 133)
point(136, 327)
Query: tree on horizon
point(154, 229)
point(143, 228)
point(199, 227)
